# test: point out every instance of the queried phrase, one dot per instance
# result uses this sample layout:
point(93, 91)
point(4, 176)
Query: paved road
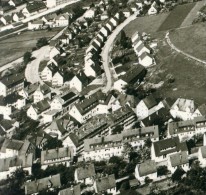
point(182, 52)
point(106, 51)
point(51, 10)
point(32, 69)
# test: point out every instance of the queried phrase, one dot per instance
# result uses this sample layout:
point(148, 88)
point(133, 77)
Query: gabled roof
point(83, 78)
point(202, 109)
point(134, 74)
point(183, 104)
point(86, 171)
point(9, 99)
point(35, 6)
point(6, 124)
point(105, 183)
point(41, 106)
point(203, 151)
point(146, 168)
point(11, 144)
point(13, 80)
point(168, 146)
point(57, 125)
point(45, 89)
point(75, 190)
point(144, 55)
point(65, 16)
point(54, 154)
point(178, 159)
point(42, 184)
point(150, 101)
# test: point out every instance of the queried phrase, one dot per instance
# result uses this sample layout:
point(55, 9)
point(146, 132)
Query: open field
point(189, 75)
point(15, 47)
point(191, 40)
point(176, 17)
point(146, 24)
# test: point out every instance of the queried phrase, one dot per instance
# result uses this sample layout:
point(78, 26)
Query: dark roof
point(168, 146)
point(6, 124)
point(178, 159)
point(13, 80)
point(35, 6)
point(2, 132)
point(83, 78)
point(203, 151)
point(202, 109)
point(75, 190)
point(105, 183)
point(86, 171)
point(42, 65)
point(134, 74)
point(11, 144)
point(146, 168)
point(41, 106)
point(53, 68)
point(74, 139)
point(150, 101)
point(9, 99)
point(45, 89)
point(41, 184)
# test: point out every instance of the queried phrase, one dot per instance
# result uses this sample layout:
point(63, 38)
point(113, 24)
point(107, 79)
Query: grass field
point(189, 76)
point(146, 24)
point(176, 17)
point(191, 40)
point(15, 47)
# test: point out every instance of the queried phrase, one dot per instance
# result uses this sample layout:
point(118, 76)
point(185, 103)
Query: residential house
point(161, 150)
point(9, 103)
point(202, 156)
point(141, 49)
point(153, 9)
point(48, 72)
point(104, 15)
point(145, 59)
point(6, 19)
point(16, 17)
point(28, 91)
point(61, 78)
point(97, 103)
point(85, 174)
point(49, 19)
point(134, 7)
point(54, 3)
point(73, 190)
point(11, 164)
point(42, 92)
point(200, 111)
point(134, 75)
point(48, 183)
point(105, 31)
point(34, 7)
point(147, 169)
point(127, 12)
point(178, 160)
point(55, 51)
point(103, 148)
point(105, 184)
point(139, 3)
point(79, 81)
point(183, 109)
point(35, 25)
point(11, 83)
point(64, 39)
point(56, 156)
point(147, 106)
point(12, 148)
point(38, 141)
point(36, 110)
point(8, 127)
point(56, 129)
point(62, 20)
point(90, 13)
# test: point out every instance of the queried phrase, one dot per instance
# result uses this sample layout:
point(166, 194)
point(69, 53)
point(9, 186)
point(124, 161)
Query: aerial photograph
point(102, 97)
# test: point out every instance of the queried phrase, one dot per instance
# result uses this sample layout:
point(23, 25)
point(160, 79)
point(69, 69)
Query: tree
point(162, 170)
point(114, 160)
point(42, 42)
point(148, 143)
point(177, 175)
point(27, 57)
point(52, 144)
point(123, 39)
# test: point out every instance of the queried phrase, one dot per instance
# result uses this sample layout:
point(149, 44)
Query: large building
point(54, 3)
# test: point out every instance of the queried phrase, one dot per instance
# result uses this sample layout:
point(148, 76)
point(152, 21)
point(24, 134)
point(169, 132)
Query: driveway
point(107, 48)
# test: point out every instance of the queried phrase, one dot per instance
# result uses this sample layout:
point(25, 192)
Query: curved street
point(106, 51)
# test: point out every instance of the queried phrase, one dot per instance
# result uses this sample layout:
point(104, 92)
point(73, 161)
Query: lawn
point(189, 75)
point(195, 46)
point(15, 47)
point(146, 24)
point(176, 17)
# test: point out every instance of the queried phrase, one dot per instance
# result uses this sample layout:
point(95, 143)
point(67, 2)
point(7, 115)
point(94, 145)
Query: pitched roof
point(6, 124)
point(170, 145)
point(57, 125)
point(75, 190)
point(86, 171)
point(134, 74)
point(202, 109)
point(203, 151)
point(57, 153)
point(146, 168)
point(184, 104)
point(150, 101)
point(144, 54)
point(9, 99)
point(41, 184)
point(11, 144)
point(41, 106)
point(45, 89)
point(105, 183)
point(180, 158)
point(13, 80)
point(35, 6)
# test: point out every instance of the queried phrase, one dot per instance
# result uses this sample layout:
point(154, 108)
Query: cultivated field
point(15, 47)
point(191, 40)
point(176, 17)
point(146, 24)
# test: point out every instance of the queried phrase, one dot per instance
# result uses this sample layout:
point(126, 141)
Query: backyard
point(15, 47)
point(194, 46)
